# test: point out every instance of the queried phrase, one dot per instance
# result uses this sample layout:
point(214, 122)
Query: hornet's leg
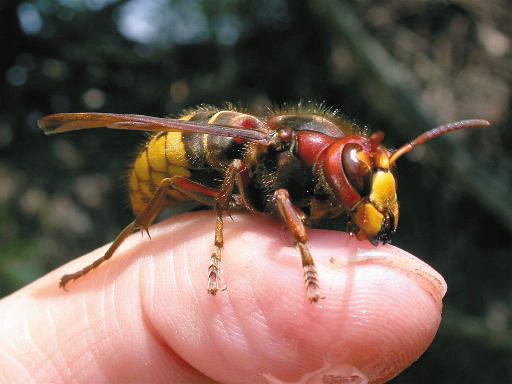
point(232, 177)
point(210, 197)
point(293, 219)
point(220, 200)
point(142, 221)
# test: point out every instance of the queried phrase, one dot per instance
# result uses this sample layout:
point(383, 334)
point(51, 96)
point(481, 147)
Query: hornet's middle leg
point(220, 200)
point(233, 177)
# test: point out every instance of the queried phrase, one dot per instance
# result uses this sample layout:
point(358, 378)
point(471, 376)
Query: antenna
point(436, 132)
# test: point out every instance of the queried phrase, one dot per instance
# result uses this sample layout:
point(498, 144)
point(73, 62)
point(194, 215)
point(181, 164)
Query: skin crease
point(145, 316)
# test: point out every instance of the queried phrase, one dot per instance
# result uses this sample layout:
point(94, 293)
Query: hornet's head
point(359, 171)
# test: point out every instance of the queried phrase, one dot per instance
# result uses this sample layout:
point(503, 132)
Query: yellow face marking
point(368, 219)
point(363, 156)
point(382, 160)
point(175, 150)
point(383, 194)
point(156, 153)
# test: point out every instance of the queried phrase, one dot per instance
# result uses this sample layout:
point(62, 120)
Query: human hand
point(145, 316)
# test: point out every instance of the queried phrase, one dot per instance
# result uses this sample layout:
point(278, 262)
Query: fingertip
point(381, 310)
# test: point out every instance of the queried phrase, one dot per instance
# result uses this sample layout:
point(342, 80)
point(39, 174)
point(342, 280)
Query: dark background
point(398, 66)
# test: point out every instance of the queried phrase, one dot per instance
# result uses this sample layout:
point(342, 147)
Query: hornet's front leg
point(293, 218)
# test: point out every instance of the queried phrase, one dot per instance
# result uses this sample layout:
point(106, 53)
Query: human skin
point(145, 316)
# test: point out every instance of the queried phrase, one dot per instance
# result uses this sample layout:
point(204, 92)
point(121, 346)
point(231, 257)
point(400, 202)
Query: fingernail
point(427, 277)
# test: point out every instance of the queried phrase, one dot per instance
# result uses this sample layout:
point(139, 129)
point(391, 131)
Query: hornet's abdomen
point(198, 157)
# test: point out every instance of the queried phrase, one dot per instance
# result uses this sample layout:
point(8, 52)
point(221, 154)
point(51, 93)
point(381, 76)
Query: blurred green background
point(398, 66)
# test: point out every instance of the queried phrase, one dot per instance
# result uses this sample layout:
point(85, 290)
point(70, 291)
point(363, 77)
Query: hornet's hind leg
point(219, 199)
point(142, 221)
point(191, 189)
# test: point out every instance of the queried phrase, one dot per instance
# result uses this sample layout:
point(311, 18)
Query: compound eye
point(356, 164)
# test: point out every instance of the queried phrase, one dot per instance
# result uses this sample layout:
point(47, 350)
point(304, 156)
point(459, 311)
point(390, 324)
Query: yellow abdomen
point(163, 156)
point(169, 154)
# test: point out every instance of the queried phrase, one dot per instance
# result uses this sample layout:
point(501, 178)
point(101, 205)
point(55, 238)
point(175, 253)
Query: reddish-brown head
point(359, 172)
